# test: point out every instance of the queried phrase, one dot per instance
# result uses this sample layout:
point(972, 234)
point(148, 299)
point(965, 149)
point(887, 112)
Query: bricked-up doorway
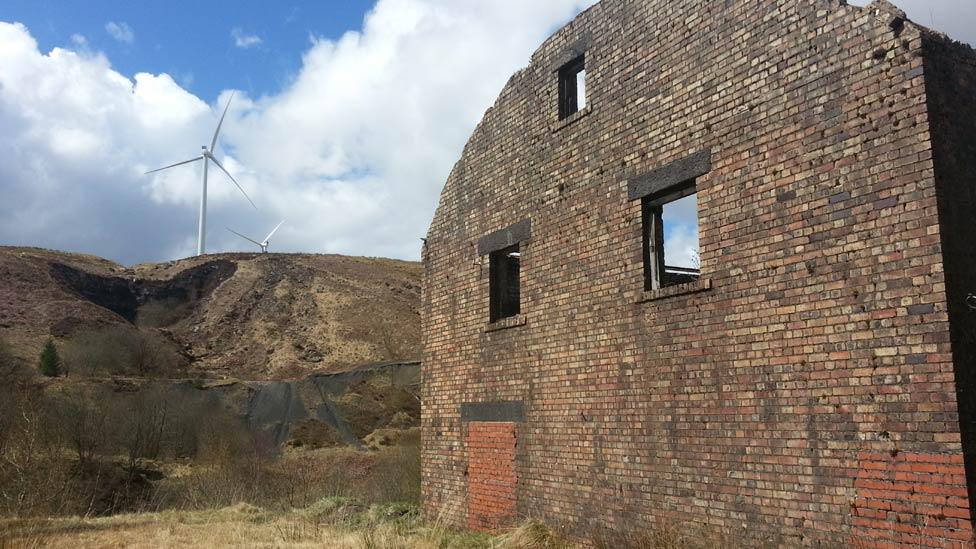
point(492, 479)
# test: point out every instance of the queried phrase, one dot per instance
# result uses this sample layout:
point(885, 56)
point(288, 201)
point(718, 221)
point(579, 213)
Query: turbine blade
point(274, 231)
point(175, 165)
point(214, 160)
point(242, 236)
point(213, 144)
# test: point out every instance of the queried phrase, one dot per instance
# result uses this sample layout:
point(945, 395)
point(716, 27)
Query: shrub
point(145, 425)
point(333, 509)
point(120, 350)
point(533, 534)
point(395, 477)
point(33, 478)
point(50, 362)
point(95, 449)
point(85, 425)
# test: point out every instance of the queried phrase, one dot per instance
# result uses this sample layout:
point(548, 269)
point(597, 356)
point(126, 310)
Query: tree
point(85, 424)
point(50, 361)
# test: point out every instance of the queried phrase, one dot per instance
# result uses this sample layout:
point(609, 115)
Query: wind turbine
point(207, 156)
point(264, 243)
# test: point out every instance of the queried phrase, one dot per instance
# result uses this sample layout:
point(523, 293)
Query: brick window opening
point(671, 237)
point(572, 87)
point(504, 283)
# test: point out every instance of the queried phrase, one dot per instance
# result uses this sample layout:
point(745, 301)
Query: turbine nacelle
point(263, 244)
point(207, 156)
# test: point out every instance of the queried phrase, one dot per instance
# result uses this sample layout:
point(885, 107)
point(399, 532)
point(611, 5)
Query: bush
point(329, 483)
point(331, 508)
point(533, 534)
point(50, 362)
point(10, 396)
point(395, 477)
point(95, 448)
point(85, 425)
point(119, 350)
point(34, 479)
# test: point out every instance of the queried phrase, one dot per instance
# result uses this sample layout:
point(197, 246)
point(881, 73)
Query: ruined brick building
point(809, 378)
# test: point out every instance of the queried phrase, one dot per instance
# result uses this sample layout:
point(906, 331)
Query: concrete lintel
point(511, 411)
point(509, 236)
point(665, 177)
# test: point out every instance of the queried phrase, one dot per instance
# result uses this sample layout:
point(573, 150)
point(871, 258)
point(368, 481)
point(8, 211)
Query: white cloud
point(120, 31)
point(244, 41)
point(353, 153)
point(681, 233)
point(73, 133)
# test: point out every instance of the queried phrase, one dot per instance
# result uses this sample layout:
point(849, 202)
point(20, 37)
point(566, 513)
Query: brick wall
point(822, 335)
point(911, 500)
point(492, 477)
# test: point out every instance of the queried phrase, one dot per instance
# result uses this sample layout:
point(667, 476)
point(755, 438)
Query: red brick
point(492, 478)
point(835, 222)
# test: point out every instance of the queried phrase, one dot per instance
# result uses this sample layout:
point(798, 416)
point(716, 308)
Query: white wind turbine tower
point(207, 156)
point(264, 243)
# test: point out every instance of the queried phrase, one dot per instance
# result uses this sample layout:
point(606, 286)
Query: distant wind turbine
point(264, 243)
point(207, 156)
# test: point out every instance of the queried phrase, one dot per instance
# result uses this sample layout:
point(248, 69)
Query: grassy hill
point(246, 316)
point(272, 380)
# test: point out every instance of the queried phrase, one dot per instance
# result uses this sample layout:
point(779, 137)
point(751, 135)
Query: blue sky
point(347, 116)
point(94, 94)
point(196, 42)
point(257, 46)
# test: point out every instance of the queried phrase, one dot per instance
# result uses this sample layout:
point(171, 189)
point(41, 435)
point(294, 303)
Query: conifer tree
point(50, 361)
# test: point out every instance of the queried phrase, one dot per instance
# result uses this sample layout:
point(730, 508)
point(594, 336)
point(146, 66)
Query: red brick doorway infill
point(492, 479)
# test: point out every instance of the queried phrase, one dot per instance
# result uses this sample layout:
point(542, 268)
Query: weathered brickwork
point(911, 499)
point(826, 333)
point(491, 475)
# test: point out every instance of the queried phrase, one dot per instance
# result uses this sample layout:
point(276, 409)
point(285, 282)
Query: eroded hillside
point(246, 316)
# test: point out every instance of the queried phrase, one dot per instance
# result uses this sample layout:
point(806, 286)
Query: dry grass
point(242, 526)
point(295, 480)
point(665, 535)
point(533, 534)
point(339, 523)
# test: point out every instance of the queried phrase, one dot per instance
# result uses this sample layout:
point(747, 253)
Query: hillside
point(246, 316)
